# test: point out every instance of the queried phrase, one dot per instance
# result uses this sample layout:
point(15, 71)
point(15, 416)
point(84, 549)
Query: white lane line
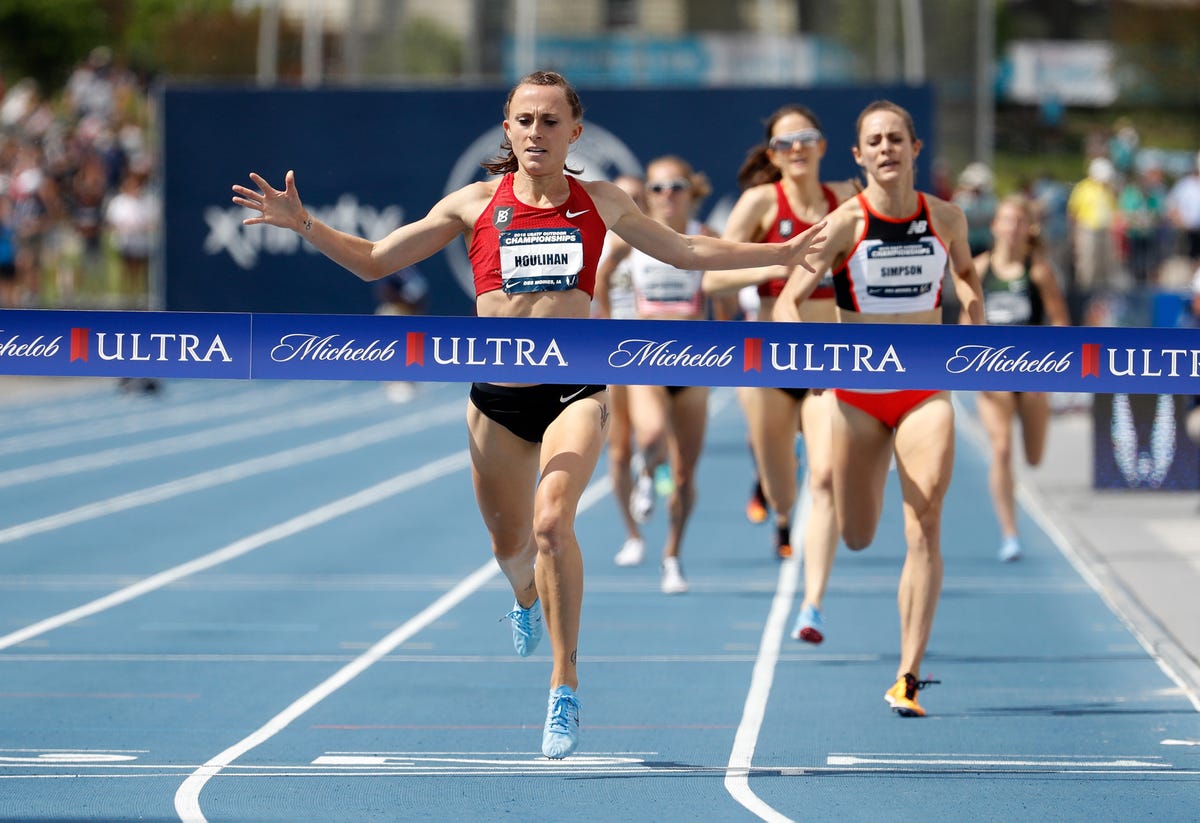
point(739, 768)
point(1162, 648)
point(805, 658)
point(131, 421)
point(358, 500)
point(1002, 762)
point(187, 798)
point(121, 455)
point(103, 401)
point(236, 471)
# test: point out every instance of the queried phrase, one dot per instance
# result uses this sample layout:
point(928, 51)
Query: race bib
point(1008, 308)
point(667, 284)
point(540, 259)
point(901, 269)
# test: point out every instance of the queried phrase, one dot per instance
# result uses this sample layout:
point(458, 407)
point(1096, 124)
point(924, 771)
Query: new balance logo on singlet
point(918, 227)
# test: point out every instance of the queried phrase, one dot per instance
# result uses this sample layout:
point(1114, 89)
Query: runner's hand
point(807, 243)
point(274, 207)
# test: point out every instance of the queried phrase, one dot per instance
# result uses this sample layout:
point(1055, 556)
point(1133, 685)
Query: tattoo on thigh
point(603, 417)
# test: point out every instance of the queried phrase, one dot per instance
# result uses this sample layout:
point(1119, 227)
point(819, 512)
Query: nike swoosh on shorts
point(568, 398)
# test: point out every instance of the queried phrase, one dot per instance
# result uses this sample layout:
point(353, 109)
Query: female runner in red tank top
point(900, 284)
point(533, 448)
point(782, 196)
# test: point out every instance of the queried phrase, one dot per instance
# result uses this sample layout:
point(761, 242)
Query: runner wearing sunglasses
point(782, 196)
point(668, 421)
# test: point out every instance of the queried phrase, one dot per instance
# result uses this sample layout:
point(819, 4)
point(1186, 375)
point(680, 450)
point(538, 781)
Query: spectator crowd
point(1128, 227)
point(79, 214)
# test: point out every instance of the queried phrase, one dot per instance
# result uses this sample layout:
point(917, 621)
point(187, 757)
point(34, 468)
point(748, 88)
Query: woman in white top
point(668, 421)
point(615, 300)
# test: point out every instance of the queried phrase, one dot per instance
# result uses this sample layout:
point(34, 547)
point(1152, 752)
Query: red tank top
point(787, 226)
point(521, 249)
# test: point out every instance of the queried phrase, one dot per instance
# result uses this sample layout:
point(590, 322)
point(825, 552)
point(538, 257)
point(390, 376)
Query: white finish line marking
point(741, 757)
point(187, 797)
point(529, 761)
point(996, 761)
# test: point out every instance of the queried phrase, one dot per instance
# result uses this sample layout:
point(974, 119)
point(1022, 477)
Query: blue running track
point(265, 601)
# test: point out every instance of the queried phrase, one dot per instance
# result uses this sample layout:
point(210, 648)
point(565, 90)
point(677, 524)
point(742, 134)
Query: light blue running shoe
point(561, 735)
point(526, 627)
point(1010, 550)
point(808, 625)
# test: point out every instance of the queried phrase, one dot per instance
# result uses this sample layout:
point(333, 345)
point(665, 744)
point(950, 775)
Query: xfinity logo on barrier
point(992, 359)
point(1141, 362)
point(37, 347)
point(244, 243)
point(654, 353)
point(488, 351)
point(810, 357)
point(330, 347)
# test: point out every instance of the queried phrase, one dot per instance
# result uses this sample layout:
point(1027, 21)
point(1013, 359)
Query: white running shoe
point(641, 501)
point(632, 553)
point(672, 577)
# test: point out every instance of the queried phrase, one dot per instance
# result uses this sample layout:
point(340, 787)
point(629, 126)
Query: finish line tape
point(528, 350)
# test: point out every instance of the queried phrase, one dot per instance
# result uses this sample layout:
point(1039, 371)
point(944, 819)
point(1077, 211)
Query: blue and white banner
point(679, 353)
point(124, 344)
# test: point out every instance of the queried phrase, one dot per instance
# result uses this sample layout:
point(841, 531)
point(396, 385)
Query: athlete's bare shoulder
point(759, 199)
point(468, 202)
point(844, 190)
point(751, 217)
point(611, 200)
point(848, 212)
point(946, 216)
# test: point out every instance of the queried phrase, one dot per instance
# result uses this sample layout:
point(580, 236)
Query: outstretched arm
point(841, 229)
point(745, 225)
point(370, 260)
point(696, 252)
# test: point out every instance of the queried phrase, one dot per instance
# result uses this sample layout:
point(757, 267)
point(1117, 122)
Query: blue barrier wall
point(370, 160)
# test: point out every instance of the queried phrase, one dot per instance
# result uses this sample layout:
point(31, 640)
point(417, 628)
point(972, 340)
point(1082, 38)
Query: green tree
point(43, 39)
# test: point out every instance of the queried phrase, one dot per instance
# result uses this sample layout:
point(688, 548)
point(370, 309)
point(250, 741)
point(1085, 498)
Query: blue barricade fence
point(683, 353)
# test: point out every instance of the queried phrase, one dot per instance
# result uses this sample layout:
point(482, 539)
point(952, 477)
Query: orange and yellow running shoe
point(902, 697)
point(756, 506)
point(783, 542)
